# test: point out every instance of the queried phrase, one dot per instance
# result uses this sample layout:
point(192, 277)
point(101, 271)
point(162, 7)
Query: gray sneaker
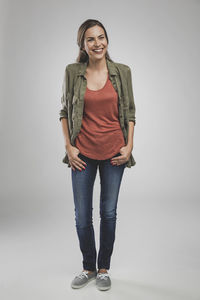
point(103, 281)
point(82, 279)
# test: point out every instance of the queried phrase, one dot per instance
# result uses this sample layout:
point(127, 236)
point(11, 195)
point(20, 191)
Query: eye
point(101, 37)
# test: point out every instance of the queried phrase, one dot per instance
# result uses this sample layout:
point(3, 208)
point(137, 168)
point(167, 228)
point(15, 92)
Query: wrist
point(67, 146)
point(130, 146)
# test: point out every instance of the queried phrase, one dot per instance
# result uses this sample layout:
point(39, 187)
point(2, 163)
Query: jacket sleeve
point(132, 108)
point(64, 105)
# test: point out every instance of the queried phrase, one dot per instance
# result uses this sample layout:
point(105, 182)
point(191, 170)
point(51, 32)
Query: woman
point(98, 118)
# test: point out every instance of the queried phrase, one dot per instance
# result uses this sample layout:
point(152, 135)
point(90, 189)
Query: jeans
point(82, 184)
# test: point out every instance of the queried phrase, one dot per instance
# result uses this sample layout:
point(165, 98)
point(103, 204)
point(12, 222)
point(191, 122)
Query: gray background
point(156, 251)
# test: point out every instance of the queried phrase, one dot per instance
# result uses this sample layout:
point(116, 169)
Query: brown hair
point(83, 56)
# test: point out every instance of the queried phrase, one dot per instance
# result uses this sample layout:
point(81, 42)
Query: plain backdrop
point(156, 250)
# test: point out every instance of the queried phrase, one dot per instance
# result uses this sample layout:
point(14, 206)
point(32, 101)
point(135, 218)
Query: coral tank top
point(100, 136)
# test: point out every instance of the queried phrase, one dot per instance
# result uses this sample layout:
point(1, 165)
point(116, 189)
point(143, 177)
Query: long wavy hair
point(83, 56)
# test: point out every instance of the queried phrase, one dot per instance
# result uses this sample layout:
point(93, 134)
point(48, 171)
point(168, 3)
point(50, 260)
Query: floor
point(39, 261)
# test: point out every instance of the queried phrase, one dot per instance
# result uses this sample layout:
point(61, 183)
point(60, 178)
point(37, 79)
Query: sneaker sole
point(82, 285)
point(103, 288)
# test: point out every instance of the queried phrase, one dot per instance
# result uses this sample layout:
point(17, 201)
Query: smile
point(98, 50)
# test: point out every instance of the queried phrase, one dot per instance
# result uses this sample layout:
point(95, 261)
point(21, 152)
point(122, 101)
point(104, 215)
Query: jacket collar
point(112, 70)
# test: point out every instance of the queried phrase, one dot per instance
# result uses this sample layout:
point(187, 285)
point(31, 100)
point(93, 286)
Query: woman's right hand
point(74, 160)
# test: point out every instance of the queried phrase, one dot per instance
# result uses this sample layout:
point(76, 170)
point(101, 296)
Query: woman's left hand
point(124, 157)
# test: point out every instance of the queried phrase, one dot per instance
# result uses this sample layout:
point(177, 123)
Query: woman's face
point(95, 39)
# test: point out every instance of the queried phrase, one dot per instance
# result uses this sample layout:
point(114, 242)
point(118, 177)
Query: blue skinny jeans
point(82, 184)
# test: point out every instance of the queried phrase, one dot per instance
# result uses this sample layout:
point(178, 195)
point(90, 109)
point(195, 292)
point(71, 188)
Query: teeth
point(98, 50)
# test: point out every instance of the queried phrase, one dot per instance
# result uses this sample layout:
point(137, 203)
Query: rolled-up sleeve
point(132, 108)
point(63, 113)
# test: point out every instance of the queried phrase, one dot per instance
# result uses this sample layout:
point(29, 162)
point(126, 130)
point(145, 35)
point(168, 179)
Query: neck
point(97, 64)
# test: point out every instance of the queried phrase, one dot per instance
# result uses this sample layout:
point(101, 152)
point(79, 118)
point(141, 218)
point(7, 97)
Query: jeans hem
point(89, 268)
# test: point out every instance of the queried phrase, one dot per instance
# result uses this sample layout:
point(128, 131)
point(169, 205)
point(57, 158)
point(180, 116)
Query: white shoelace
point(103, 275)
point(83, 274)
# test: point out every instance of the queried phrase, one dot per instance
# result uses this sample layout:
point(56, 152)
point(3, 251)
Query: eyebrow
point(92, 36)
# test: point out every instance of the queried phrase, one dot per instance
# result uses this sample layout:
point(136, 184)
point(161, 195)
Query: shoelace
point(83, 274)
point(103, 275)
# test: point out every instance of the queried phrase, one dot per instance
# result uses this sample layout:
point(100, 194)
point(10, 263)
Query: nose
point(97, 44)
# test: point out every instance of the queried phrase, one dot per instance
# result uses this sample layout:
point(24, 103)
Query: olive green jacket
point(72, 100)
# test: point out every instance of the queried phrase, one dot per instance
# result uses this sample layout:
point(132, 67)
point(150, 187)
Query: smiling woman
point(98, 118)
point(95, 41)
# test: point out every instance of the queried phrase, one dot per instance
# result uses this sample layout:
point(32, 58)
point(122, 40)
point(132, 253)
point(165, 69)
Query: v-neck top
point(100, 136)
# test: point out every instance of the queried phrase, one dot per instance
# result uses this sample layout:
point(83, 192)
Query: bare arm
point(130, 135)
